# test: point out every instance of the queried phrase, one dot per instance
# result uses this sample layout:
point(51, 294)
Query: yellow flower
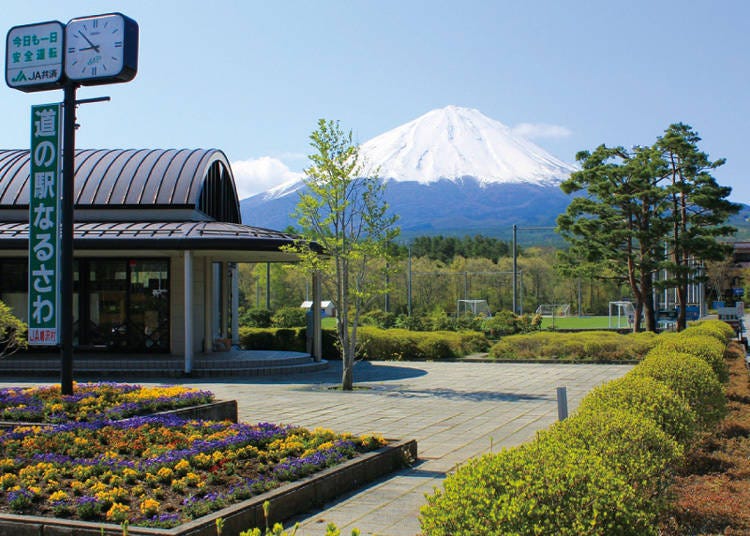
point(149, 507)
point(182, 467)
point(118, 512)
point(164, 474)
point(59, 495)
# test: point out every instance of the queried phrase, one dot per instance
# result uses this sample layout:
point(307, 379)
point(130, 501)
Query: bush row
point(584, 346)
point(604, 470)
point(374, 343)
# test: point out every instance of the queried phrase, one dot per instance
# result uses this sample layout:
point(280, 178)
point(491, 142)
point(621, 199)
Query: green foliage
point(544, 487)
point(633, 444)
point(705, 347)
point(714, 328)
point(645, 396)
point(289, 317)
point(508, 323)
point(446, 248)
point(379, 319)
point(583, 346)
point(401, 344)
point(255, 318)
point(288, 339)
point(689, 377)
point(347, 231)
point(12, 332)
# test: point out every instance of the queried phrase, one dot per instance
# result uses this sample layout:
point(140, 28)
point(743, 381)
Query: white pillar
point(225, 296)
point(235, 305)
point(317, 333)
point(188, 312)
point(208, 306)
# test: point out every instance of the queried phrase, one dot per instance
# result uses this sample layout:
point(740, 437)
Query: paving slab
point(454, 410)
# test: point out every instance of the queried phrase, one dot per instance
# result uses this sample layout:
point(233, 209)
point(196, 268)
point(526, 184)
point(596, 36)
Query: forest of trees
point(438, 280)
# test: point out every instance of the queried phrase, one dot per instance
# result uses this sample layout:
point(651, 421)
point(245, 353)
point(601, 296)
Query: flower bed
point(94, 401)
point(157, 471)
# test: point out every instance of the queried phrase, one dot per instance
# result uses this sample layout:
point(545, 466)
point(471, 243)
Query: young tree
point(343, 210)
point(699, 209)
point(617, 223)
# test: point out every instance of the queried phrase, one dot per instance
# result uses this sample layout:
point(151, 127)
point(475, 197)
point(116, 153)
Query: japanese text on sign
point(44, 214)
point(34, 55)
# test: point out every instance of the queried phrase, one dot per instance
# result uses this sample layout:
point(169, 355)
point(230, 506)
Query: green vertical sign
point(44, 221)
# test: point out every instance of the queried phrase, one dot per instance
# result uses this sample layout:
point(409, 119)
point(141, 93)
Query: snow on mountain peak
point(454, 142)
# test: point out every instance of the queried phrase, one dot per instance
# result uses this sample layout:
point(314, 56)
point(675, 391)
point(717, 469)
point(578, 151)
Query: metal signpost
point(94, 50)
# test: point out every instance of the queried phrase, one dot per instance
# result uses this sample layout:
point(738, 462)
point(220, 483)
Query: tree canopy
point(646, 209)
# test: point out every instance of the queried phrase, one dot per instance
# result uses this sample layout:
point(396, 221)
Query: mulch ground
point(711, 493)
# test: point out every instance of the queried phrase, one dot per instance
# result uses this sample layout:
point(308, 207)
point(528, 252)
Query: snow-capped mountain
point(453, 143)
point(450, 171)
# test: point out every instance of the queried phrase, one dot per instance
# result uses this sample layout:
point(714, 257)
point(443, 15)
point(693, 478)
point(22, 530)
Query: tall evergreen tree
point(699, 209)
point(616, 222)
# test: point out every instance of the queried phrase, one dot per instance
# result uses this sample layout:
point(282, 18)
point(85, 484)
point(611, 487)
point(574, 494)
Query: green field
point(584, 322)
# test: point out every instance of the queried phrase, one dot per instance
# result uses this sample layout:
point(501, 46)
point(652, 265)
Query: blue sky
point(252, 78)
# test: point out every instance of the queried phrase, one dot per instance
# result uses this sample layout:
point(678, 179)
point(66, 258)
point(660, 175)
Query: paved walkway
point(454, 410)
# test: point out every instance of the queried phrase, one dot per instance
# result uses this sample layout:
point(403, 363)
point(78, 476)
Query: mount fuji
point(451, 171)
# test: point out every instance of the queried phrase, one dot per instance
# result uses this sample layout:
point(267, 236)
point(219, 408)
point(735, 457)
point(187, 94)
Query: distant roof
point(194, 179)
point(159, 236)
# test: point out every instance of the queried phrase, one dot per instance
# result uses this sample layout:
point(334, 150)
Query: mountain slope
point(452, 143)
point(450, 171)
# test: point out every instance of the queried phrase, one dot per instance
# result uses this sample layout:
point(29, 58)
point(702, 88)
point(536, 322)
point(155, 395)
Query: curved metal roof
point(162, 235)
point(199, 179)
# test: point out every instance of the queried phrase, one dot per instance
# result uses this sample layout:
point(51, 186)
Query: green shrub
point(634, 445)
point(289, 317)
point(689, 377)
point(715, 328)
point(704, 347)
point(544, 487)
point(12, 332)
point(255, 318)
point(402, 344)
point(583, 346)
point(379, 319)
point(645, 396)
point(292, 340)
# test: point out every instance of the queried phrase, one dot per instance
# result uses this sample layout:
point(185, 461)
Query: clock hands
point(92, 45)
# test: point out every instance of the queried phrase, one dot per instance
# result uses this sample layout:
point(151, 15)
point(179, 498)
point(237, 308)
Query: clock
point(101, 49)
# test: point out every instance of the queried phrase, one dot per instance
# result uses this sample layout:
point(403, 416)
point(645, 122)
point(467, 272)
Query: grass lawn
point(584, 322)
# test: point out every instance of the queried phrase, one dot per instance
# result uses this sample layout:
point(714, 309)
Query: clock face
point(99, 49)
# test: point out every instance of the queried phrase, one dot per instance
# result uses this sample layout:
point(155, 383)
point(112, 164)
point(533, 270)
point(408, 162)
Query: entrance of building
point(122, 305)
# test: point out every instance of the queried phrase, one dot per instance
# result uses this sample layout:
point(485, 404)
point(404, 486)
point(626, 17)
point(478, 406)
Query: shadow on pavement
point(364, 371)
point(475, 396)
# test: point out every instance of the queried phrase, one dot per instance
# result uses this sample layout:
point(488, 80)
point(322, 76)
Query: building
point(157, 236)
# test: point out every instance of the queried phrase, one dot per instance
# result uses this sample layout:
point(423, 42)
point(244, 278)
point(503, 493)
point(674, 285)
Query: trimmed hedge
point(374, 343)
point(604, 346)
point(703, 346)
point(714, 328)
point(632, 443)
point(689, 377)
point(648, 397)
point(604, 470)
point(544, 487)
point(402, 344)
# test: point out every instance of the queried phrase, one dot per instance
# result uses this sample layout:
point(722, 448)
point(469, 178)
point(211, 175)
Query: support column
point(208, 306)
point(317, 324)
point(188, 312)
point(225, 297)
point(235, 304)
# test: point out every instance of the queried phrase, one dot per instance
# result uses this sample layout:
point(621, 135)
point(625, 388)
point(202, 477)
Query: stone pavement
point(454, 410)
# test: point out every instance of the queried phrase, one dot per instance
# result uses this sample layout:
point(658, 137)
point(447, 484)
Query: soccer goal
point(553, 309)
point(474, 307)
point(625, 312)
